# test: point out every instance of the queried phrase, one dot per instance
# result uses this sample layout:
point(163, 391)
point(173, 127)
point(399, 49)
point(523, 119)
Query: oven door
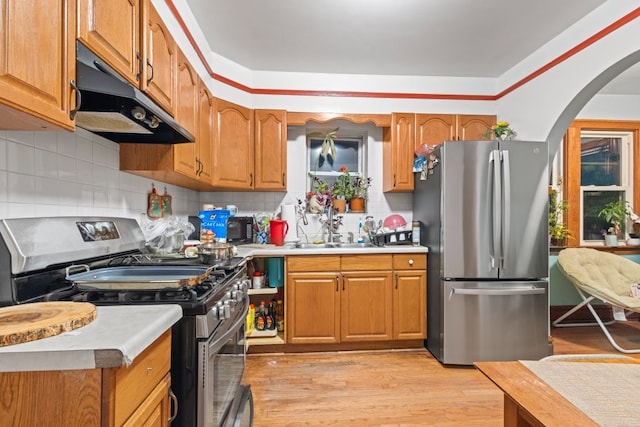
point(241, 413)
point(221, 361)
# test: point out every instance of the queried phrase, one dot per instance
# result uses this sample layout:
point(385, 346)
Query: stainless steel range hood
point(113, 108)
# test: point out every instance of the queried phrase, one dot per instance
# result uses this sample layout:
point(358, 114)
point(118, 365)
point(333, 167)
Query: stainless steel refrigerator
point(483, 214)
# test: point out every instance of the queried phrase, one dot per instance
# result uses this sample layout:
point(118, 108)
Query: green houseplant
point(615, 214)
point(558, 231)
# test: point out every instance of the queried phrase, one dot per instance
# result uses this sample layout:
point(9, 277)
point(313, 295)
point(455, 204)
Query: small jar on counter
point(415, 233)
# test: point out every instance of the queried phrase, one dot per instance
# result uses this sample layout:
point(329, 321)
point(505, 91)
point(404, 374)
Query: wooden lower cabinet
point(355, 298)
point(132, 396)
point(410, 296)
point(313, 308)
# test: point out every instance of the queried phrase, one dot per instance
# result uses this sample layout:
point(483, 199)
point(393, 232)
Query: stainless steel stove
point(208, 348)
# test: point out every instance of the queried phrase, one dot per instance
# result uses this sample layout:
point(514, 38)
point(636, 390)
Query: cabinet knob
point(410, 262)
point(149, 370)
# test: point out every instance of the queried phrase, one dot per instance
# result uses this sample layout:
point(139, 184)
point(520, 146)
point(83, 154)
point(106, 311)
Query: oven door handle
point(218, 342)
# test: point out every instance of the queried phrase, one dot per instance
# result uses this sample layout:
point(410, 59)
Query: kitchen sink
point(331, 245)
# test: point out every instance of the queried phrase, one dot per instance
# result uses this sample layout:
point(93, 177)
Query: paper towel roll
point(288, 213)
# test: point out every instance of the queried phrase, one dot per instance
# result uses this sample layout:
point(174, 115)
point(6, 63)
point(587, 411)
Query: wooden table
point(529, 401)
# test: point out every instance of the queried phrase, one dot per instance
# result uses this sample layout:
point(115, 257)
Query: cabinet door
point(472, 127)
point(410, 305)
point(155, 410)
point(206, 133)
point(434, 128)
point(366, 306)
point(270, 150)
point(159, 60)
point(233, 146)
point(313, 308)
point(111, 30)
point(398, 148)
point(37, 61)
point(187, 116)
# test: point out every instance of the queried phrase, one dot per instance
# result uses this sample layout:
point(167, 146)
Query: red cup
point(278, 228)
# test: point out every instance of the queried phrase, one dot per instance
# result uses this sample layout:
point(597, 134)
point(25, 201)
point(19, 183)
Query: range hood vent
point(114, 109)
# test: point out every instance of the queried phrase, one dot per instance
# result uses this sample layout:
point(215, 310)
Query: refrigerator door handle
point(506, 206)
point(498, 292)
point(496, 210)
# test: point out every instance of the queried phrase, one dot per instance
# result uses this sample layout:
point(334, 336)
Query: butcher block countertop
point(115, 338)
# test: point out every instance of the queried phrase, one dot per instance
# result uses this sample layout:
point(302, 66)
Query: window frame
point(571, 161)
point(359, 139)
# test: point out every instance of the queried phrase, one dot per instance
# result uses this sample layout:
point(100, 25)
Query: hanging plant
point(328, 147)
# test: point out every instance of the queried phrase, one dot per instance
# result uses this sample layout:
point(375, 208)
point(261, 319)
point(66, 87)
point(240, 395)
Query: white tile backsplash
point(66, 173)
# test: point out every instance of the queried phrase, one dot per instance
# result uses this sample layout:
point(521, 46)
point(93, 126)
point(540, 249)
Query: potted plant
point(614, 213)
point(342, 190)
point(360, 187)
point(558, 231)
point(319, 198)
point(500, 130)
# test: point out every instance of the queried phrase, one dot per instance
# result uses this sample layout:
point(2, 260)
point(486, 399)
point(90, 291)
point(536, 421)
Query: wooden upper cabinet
point(270, 149)
point(37, 63)
point(472, 127)
point(397, 153)
point(233, 146)
point(159, 59)
point(206, 132)
point(111, 30)
point(432, 129)
point(187, 115)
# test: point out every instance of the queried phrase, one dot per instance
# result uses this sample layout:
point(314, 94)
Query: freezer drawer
point(491, 321)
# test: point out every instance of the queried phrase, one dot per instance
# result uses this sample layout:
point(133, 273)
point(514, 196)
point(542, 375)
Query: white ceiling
point(465, 38)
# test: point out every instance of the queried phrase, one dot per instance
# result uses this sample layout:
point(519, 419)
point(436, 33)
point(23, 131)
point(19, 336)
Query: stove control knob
point(219, 307)
point(214, 312)
point(227, 310)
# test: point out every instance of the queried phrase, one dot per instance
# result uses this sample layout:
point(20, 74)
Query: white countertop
point(258, 250)
point(115, 338)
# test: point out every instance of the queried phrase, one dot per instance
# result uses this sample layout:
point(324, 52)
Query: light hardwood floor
point(392, 388)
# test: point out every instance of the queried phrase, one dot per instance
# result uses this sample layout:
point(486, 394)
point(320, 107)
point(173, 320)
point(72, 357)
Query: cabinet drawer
point(313, 263)
point(410, 262)
point(134, 383)
point(366, 262)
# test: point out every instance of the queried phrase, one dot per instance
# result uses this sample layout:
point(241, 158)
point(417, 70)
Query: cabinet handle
point(283, 181)
point(343, 282)
point(337, 283)
point(72, 113)
point(394, 180)
point(151, 76)
point(396, 281)
point(139, 58)
point(174, 406)
point(251, 179)
point(410, 262)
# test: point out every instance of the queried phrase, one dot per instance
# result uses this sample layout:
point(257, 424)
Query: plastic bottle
point(270, 317)
point(261, 319)
point(415, 233)
point(251, 319)
point(279, 315)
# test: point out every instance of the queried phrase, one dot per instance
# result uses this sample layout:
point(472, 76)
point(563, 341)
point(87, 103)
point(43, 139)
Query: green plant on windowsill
point(343, 187)
point(615, 214)
point(558, 231)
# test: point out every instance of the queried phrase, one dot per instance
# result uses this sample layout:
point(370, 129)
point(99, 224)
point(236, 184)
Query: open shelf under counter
point(265, 338)
point(262, 291)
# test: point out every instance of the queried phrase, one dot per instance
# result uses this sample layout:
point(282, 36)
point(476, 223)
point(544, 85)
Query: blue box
point(216, 221)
